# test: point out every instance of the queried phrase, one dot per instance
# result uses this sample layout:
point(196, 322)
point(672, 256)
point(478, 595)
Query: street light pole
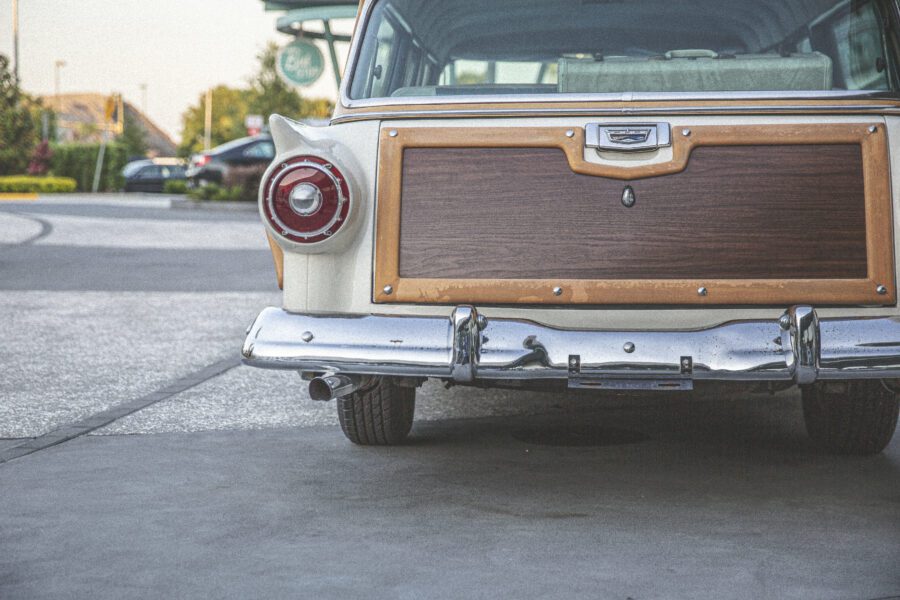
point(59, 64)
point(15, 20)
point(207, 122)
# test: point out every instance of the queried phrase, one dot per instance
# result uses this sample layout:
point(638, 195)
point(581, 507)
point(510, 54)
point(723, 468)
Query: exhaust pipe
point(329, 387)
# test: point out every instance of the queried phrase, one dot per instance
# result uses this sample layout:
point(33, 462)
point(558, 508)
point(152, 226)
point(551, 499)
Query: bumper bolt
point(307, 336)
point(628, 347)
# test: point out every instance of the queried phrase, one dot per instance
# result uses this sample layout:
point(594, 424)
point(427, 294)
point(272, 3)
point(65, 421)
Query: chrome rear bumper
point(798, 347)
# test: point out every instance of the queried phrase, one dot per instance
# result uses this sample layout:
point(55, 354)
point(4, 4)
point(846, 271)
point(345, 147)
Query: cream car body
point(342, 328)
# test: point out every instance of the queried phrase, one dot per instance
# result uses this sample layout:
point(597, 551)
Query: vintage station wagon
point(597, 194)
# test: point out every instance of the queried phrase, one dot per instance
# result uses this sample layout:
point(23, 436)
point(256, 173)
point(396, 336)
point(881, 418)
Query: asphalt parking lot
point(139, 460)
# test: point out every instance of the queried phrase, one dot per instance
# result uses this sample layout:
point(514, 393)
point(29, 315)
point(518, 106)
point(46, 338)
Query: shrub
point(26, 184)
point(218, 193)
point(40, 159)
point(78, 161)
point(175, 186)
point(18, 130)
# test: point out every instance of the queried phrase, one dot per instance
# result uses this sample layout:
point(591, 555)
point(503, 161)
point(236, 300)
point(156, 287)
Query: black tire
point(850, 417)
point(379, 414)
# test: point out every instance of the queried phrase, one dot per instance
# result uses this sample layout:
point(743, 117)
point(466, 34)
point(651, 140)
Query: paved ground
point(233, 485)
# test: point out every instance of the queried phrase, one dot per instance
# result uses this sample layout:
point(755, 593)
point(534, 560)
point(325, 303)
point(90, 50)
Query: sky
point(178, 48)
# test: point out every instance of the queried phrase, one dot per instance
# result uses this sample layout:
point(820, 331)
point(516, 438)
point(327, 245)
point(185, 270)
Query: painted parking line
point(105, 417)
point(11, 197)
point(147, 234)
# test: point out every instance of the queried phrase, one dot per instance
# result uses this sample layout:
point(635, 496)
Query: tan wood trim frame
point(278, 259)
point(879, 231)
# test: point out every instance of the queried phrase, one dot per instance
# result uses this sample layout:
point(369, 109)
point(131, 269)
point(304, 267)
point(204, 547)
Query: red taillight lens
point(307, 199)
point(200, 160)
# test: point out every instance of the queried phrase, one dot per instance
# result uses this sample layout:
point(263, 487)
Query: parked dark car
point(240, 163)
point(151, 175)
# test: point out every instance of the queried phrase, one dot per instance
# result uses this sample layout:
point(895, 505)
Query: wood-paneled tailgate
point(752, 214)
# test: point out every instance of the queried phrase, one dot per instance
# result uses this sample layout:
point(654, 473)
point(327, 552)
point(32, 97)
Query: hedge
point(26, 184)
point(175, 186)
point(215, 192)
point(78, 161)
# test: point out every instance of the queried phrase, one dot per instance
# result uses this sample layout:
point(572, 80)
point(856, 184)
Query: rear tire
point(850, 417)
point(379, 414)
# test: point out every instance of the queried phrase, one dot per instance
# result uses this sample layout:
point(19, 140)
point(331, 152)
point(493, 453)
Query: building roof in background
point(77, 114)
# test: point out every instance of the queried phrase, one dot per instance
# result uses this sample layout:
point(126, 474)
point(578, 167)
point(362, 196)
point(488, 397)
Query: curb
point(187, 204)
point(18, 197)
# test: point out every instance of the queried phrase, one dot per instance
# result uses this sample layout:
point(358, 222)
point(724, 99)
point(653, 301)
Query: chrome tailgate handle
point(627, 137)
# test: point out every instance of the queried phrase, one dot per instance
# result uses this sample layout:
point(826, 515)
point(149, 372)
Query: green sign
point(301, 63)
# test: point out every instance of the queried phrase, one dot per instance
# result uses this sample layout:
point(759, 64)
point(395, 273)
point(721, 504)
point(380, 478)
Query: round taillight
point(307, 199)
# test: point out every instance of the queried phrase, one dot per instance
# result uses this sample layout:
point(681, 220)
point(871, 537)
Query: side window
point(381, 68)
point(260, 150)
point(860, 49)
point(413, 65)
point(151, 172)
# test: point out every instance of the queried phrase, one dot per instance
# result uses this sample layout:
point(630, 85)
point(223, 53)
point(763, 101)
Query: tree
point(229, 108)
point(18, 133)
point(267, 94)
point(134, 136)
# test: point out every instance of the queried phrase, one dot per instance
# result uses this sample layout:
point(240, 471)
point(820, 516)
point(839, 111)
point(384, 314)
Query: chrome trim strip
point(626, 97)
point(798, 347)
point(362, 21)
point(879, 109)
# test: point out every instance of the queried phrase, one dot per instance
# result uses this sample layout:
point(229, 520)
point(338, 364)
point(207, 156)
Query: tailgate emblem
point(627, 137)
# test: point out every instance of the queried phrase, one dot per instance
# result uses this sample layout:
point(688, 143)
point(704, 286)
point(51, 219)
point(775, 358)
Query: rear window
point(414, 48)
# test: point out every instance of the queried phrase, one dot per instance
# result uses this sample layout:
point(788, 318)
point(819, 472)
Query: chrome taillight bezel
point(341, 211)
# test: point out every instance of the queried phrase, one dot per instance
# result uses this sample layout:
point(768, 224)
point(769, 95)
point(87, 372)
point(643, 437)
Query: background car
point(151, 175)
point(239, 163)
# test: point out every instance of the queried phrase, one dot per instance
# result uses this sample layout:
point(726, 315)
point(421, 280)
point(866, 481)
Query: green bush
point(175, 186)
point(218, 193)
point(78, 161)
point(26, 184)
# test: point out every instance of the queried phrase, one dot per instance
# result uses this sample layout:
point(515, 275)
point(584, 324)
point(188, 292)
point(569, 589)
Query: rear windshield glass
point(465, 47)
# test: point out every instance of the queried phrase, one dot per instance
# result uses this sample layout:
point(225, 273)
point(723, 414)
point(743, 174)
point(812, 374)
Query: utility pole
point(207, 134)
point(15, 20)
point(58, 65)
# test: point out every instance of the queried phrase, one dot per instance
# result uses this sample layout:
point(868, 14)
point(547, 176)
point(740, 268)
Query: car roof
point(168, 161)
point(240, 142)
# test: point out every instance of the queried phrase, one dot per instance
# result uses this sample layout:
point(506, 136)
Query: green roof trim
point(300, 4)
point(293, 21)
